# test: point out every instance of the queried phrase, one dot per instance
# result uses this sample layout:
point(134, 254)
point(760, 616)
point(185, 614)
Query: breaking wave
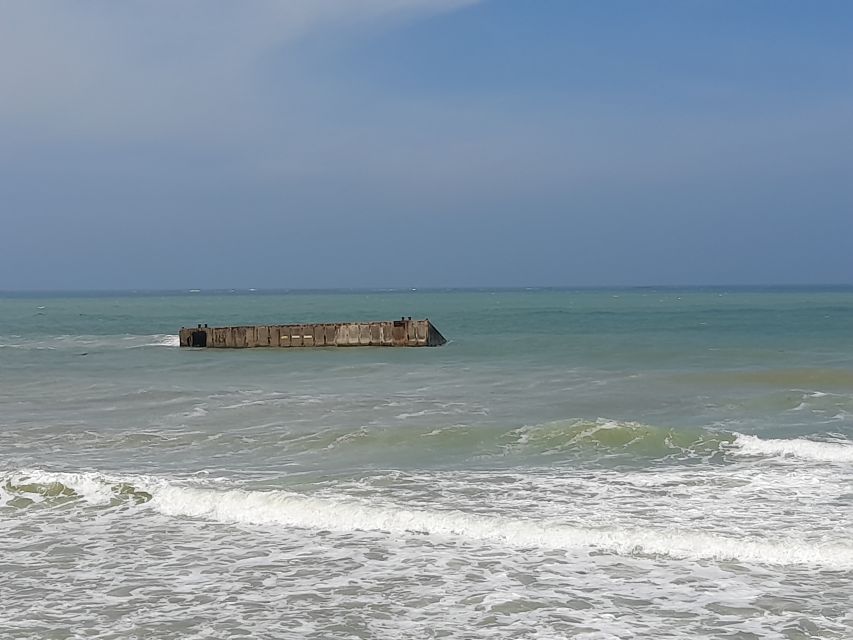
point(347, 514)
point(165, 341)
point(124, 341)
point(819, 451)
point(30, 487)
point(293, 510)
point(564, 439)
point(553, 440)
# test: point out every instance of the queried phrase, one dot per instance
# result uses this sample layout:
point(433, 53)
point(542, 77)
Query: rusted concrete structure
point(397, 333)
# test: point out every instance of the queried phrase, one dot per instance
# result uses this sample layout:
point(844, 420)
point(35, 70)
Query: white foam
point(417, 414)
point(125, 341)
point(195, 498)
point(94, 488)
point(295, 510)
point(198, 411)
point(796, 448)
point(165, 341)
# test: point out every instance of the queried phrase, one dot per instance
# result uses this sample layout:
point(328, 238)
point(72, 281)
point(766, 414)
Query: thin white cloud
point(149, 67)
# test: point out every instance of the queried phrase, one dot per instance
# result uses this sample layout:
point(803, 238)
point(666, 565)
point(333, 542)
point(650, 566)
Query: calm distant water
point(590, 464)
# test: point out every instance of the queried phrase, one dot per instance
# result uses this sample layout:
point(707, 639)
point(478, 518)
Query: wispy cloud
point(156, 67)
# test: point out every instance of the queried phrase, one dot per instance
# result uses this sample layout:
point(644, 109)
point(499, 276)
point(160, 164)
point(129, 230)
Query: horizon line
point(423, 289)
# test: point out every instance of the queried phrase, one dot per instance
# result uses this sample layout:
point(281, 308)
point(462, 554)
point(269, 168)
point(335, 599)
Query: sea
point(590, 463)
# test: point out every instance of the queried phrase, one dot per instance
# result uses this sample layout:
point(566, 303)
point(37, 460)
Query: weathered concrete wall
point(398, 333)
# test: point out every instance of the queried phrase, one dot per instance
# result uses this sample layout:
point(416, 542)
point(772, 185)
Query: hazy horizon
point(758, 287)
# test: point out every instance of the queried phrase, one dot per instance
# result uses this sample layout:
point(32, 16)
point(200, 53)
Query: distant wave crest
point(124, 341)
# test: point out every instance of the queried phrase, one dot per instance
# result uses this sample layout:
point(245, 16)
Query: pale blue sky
point(397, 143)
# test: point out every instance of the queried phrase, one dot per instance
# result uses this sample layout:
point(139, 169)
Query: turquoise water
point(591, 463)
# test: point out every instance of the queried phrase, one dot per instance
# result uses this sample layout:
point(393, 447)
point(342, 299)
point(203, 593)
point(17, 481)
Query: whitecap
point(802, 448)
point(296, 510)
point(164, 341)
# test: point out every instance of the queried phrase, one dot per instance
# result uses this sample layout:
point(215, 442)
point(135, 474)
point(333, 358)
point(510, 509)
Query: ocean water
point(572, 464)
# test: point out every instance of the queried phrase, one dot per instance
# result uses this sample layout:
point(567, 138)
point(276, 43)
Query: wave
point(819, 451)
point(601, 438)
point(33, 486)
point(164, 341)
point(615, 436)
point(346, 515)
point(554, 440)
point(642, 439)
point(294, 510)
point(124, 341)
point(608, 442)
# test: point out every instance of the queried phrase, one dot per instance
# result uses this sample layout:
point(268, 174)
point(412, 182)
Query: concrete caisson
point(397, 333)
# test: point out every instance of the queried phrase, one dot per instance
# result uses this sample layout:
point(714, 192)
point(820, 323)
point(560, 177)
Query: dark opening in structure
point(198, 339)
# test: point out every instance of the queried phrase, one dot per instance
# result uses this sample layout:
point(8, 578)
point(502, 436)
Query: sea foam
point(197, 499)
point(801, 448)
point(164, 341)
point(122, 341)
point(295, 510)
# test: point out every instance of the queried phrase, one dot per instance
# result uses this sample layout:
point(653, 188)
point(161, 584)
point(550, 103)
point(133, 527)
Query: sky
point(169, 144)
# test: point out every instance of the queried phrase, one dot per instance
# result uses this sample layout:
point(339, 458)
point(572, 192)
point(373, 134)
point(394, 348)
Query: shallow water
point(595, 464)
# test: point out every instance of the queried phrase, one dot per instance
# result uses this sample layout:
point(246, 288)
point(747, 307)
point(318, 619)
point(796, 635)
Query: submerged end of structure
point(404, 332)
